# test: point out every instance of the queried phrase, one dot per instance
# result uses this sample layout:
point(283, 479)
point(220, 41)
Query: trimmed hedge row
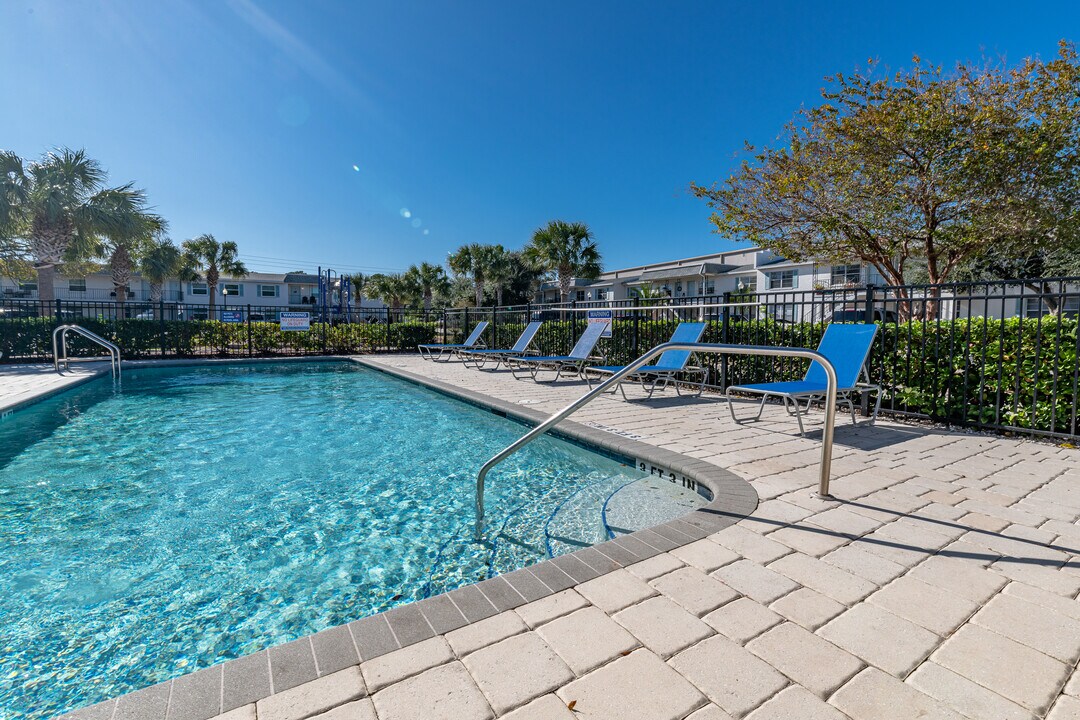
point(31, 338)
point(1020, 373)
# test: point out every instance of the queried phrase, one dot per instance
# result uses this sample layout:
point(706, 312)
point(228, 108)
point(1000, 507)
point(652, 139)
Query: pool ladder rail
point(825, 468)
point(60, 354)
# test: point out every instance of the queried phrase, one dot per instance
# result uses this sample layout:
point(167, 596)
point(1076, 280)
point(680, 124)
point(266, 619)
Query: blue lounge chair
point(846, 347)
point(437, 352)
point(576, 360)
point(670, 364)
point(480, 357)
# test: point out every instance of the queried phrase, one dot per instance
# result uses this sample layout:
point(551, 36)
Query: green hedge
point(31, 338)
point(1017, 372)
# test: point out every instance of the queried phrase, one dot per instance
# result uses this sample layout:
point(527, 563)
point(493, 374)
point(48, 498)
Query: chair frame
point(664, 375)
point(791, 400)
point(558, 364)
point(449, 351)
point(480, 359)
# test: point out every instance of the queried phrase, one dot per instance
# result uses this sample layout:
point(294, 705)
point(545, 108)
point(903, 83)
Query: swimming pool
point(203, 513)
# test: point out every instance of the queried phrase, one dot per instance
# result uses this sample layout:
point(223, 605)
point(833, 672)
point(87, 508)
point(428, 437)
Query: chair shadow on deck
point(989, 557)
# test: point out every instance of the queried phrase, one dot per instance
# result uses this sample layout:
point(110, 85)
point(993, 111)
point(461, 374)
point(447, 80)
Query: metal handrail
point(61, 356)
point(714, 348)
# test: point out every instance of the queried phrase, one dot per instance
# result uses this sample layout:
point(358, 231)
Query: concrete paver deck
point(940, 582)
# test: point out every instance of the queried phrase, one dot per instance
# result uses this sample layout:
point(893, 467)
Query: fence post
point(869, 314)
point(864, 397)
point(247, 317)
point(573, 325)
point(58, 307)
point(465, 327)
point(161, 325)
point(494, 328)
point(389, 323)
point(725, 336)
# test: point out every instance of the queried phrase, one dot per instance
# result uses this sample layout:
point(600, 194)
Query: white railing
point(825, 468)
point(60, 355)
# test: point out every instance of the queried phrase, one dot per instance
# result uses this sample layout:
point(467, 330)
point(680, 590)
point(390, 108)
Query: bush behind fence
point(976, 367)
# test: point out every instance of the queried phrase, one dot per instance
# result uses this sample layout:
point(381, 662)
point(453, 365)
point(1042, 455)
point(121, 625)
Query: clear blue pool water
point(199, 514)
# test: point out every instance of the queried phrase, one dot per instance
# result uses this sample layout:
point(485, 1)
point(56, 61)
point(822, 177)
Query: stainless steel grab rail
point(61, 357)
point(713, 348)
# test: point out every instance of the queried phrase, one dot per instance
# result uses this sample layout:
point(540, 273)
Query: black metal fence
point(995, 355)
point(177, 330)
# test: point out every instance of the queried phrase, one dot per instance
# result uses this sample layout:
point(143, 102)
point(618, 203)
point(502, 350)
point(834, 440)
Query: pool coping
point(226, 686)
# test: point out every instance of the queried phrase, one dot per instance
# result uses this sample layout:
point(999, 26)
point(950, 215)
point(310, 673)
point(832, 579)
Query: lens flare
point(425, 231)
point(405, 213)
point(356, 168)
point(416, 222)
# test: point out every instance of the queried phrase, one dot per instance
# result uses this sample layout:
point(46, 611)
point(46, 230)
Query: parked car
point(858, 315)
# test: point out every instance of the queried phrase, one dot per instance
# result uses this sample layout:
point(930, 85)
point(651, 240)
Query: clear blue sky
point(482, 120)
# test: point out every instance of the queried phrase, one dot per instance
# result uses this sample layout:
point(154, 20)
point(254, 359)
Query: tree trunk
point(212, 277)
point(427, 301)
point(48, 244)
point(46, 282)
point(479, 288)
point(120, 263)
point(1045, 294)
point(499, 295)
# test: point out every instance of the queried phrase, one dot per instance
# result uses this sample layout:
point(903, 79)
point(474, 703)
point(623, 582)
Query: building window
point(28, 286)
point(601, 295)
point(846, 274)
point(709, 287)
point(1034, 307)
point(197, 288)
point(784, 313)
point(781, 279)
point(77, 285)
point(747, 284)
point(269, 290)
point(580, 295)
point(234, 289)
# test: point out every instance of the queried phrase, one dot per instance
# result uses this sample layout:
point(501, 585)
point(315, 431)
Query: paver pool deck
point(941, 582)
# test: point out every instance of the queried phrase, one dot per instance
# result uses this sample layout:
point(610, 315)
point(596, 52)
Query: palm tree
point(13, 193)
point(359, 282)
point(62, 207)
point(121, 248)
point(391, 289)
point(428, 280)
point(160, 262)
point(210, 258)
point(501, 271)
point(473, 261)
point(567, 251)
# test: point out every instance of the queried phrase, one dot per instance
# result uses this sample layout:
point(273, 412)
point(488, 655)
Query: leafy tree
point(427, 280)
point(393, 289)
point(566, 251)
point(524, 279)
point(61, 209)
point(210, 259)
point(920, 167)
point(474, 261)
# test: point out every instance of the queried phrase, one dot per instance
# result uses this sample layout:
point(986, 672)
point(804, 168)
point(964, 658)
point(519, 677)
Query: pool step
point(645, 503)
point(577, 522)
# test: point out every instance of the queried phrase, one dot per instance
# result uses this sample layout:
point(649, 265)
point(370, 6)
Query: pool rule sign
point(295, 321)
point(601, 316)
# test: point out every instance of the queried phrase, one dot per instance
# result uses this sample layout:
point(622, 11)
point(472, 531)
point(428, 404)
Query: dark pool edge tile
point(373, 636)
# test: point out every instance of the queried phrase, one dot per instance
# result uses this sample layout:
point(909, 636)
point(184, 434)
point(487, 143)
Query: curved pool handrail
point(711, 348)
point(60, 356)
